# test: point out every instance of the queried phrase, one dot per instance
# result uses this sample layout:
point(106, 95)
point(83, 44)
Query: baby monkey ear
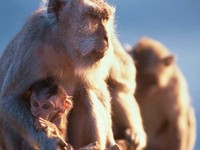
point(168, 60)
point(68, 102)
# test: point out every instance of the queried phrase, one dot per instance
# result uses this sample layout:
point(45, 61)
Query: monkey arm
point(126, 119)
point(126, 113)
point(51, 130)
point(90, 117)
point(21, 73)
point(177, 131)
point(181, 129)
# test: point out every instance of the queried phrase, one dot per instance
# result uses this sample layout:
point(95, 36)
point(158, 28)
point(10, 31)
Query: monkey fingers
point(136, 140)
point(63, 145)
point(44, 123)
point(39, 125)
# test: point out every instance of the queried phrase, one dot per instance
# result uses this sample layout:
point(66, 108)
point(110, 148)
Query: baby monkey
point(50, 105)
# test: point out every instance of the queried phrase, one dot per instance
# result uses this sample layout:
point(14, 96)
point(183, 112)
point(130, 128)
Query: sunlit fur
point(73, 41)
point(86, 39)
point(126, 114)
point(163, 97)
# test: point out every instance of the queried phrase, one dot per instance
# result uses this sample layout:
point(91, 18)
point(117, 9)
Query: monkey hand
point(137, 140)
point(63, 145)
point(39, 125)
point(48, 127)
point(122, 143)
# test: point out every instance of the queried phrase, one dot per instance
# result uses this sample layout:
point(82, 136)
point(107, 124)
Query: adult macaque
point(50, 104)
point(163, 98)
point(74, 42)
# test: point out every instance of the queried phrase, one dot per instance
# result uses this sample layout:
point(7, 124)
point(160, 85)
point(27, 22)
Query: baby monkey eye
point(46, 106)
point(35, 104)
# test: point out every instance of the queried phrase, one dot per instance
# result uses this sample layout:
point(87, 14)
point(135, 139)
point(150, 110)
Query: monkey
point(50, 104)
point(73, 41)
point(163, 97)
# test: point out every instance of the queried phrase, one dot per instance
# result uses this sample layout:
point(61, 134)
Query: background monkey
point(163, 98)
point(73, 41)
point(50, 105)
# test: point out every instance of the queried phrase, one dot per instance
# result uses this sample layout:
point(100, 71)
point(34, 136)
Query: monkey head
point(47, 107)
point(84, 27)
point(153, 62)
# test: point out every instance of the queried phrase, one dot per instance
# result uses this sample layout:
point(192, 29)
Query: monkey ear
point(168, 60)
point(54, 6)
point(68, 102)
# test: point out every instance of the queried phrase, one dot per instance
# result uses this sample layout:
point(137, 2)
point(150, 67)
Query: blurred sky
point(176, 23)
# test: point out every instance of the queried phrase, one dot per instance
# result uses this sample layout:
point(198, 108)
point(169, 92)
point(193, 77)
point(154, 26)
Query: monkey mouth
point(98, 55)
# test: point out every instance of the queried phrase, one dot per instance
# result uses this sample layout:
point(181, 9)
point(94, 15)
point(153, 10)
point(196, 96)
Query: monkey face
point(154, 72)
point(88, 31)
point(153, 62)
point(42, 110)
point(43, 107)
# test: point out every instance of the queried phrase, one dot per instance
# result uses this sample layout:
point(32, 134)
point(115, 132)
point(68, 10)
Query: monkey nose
point(101, 51)
point(37, 115)
point(106, 38)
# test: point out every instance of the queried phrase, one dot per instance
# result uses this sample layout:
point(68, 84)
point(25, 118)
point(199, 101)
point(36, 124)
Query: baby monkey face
point(43, 107)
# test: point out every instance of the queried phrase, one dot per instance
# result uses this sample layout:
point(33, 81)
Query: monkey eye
point(105, 19)
point(46, 106)
point(35, 104)
point(94, 16)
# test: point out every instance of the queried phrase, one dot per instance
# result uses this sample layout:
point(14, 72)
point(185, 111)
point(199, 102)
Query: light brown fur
point(127, 122)
point(73, 41)
point(163, 97)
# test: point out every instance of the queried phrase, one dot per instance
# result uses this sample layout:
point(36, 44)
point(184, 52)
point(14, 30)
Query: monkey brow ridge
point(99, 9)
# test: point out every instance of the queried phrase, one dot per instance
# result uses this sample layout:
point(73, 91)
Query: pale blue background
point(176, 23)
